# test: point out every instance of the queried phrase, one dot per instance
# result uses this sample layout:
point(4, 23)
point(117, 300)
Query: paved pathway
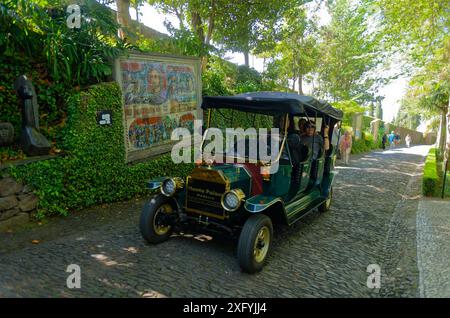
point(372, 221)
point(433, 248)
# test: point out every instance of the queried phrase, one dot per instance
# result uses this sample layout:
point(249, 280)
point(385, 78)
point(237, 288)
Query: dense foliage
point(36, 41)
point(94, 170)
point(38, 30)
point(349, 107)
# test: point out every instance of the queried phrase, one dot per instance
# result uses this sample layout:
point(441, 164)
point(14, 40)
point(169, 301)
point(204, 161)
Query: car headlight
point(170, 186)
point(231, 200)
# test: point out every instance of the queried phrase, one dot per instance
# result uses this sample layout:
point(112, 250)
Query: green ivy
point(94, 170)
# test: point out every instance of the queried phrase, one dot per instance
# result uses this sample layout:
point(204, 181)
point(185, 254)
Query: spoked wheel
point(254, 243)
point(155, 220)
point(324, 207)
point(261, 246)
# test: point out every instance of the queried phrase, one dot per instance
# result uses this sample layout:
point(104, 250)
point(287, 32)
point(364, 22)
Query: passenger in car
point(302, 126)
point(314, 140)
point(293, 138)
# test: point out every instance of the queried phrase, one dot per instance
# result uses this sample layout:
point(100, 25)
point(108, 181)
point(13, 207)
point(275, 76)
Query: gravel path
point(372, 221)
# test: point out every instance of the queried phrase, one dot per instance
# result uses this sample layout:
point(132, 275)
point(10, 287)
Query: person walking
point(391, 139)
point(384, 141)
point(345, 147)
point(408, 140)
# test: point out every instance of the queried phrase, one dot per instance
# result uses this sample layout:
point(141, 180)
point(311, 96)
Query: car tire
point(326, 206)
point(255, 242)
point(151, 225)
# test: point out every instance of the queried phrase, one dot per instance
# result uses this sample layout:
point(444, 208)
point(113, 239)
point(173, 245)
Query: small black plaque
point(104, 117)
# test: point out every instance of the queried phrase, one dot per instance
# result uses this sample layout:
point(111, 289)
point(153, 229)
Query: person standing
point(408, 140)
point(345, 147)
point(384, 141)
point(398, 138)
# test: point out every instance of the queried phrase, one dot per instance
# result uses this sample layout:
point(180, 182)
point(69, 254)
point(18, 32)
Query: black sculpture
point(32, 141)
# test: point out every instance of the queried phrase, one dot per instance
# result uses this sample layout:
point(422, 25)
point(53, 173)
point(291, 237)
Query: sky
point(392, 92)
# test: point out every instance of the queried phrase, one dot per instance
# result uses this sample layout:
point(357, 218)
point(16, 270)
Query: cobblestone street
point(372, 221)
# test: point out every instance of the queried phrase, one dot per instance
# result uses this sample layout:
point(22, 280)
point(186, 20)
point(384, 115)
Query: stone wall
point(417, 137)
point(430, 138)
point(368, 124)
point(17, 202)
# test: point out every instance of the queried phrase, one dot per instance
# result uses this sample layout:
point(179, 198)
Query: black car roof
point(273, 103)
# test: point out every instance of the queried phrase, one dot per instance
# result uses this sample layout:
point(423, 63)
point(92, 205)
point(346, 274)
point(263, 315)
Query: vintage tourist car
point(244, 197)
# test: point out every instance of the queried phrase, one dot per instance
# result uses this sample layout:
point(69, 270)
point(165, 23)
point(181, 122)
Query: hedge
point(364, 144)
point(94, 170)
point(430, 181)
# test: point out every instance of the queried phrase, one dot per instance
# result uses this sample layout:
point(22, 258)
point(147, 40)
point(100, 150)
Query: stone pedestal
point(6, 134)
point(374, 128)
point(357, 125)
point(16, 203)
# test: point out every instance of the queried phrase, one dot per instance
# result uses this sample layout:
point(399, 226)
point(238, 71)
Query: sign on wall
point(160, 93)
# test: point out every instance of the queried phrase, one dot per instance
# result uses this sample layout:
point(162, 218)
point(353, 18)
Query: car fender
point(172, 200)
point(155, 183)
point(270, 205)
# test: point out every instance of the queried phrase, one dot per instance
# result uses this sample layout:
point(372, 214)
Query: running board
point(306, 204)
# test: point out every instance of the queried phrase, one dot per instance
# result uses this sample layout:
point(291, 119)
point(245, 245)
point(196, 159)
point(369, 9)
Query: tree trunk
point(447, 147)
point(211, 22)
point(293, 84)
point(442, 132)
point(300, 85)
point(137, 12)
point(204, 63)
point(123, 16)
point(197, 26)
point(247, 59)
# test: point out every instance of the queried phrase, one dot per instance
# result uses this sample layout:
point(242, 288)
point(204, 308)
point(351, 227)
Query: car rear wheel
point(254, 243)
point(154, 223)
point(324, 207)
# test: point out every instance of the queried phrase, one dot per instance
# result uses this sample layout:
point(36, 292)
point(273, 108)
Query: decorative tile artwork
point(160, 94)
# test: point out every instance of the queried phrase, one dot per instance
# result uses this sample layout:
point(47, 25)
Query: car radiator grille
point(204, 197)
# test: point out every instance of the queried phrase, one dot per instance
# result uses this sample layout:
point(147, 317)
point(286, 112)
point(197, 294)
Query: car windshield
point(243, 135)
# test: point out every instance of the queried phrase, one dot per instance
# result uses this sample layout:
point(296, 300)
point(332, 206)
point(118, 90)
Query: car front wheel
point(155, 219)
point(254, 243)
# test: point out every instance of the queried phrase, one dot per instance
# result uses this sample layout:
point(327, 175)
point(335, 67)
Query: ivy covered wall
point(93, 171)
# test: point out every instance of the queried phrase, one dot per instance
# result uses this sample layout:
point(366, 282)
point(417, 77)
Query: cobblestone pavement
point(372, 221)
point(433, 250)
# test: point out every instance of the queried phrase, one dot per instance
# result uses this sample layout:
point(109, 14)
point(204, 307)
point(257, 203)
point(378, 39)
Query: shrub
point(364, 144)
point(430, 181)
